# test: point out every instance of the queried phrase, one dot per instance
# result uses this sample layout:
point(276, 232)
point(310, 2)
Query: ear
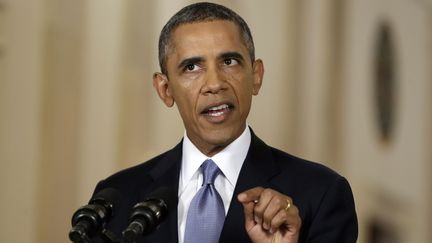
point(258, 72)
point(161, 85)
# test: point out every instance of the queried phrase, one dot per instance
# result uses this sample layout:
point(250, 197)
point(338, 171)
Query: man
point(209, 71)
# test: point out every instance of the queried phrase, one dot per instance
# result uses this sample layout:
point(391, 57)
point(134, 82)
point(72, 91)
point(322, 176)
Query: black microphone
point(147, 215)
point(90, 219)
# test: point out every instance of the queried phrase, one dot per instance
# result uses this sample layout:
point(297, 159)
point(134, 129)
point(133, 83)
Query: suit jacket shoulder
point(135, 183)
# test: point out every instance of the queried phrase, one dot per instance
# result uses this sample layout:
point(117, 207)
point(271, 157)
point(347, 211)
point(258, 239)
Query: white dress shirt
point(229, 161)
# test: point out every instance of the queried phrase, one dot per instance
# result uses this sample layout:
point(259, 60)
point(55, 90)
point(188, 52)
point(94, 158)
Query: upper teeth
point(224, 106)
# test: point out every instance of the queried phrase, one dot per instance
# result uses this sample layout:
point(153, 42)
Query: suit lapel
point(257, 170)
point(166, 174)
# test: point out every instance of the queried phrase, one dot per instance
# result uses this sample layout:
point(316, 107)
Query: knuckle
point(267, 192)
point(278, 201)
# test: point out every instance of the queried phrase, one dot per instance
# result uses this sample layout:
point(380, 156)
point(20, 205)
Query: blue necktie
point(206, 213)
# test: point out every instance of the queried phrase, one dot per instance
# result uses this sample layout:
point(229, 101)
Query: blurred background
point(348, 83)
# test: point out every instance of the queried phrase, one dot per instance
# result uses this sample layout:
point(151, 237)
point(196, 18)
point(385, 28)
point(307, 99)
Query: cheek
point(186, 110)
point(238, 80)
point(234, 72)
point(184, 103)
point(244, 91)
point(242, 85)
point(185, 96)
point(185, 88)
point(190, 82)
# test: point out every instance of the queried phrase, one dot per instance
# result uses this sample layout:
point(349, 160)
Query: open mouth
point(216, 111)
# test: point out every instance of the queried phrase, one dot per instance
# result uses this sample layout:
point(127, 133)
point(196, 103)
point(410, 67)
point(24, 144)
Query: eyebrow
point(198, 59)
point(232, 54)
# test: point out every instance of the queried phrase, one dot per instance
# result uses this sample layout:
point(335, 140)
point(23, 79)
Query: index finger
point(250, 195)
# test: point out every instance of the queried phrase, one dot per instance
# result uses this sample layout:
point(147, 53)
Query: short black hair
point(202, 12)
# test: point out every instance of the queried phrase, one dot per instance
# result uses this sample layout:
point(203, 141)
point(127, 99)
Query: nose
point(215, 81)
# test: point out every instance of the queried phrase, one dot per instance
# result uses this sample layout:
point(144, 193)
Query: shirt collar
point(229, 160)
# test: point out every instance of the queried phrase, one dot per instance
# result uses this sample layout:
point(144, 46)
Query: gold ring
point(288, 205)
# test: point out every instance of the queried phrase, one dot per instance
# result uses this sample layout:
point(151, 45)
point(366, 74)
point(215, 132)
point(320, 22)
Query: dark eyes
point(192, 67)
point(230, 61)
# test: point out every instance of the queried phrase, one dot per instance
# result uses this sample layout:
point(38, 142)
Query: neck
point(210, 152)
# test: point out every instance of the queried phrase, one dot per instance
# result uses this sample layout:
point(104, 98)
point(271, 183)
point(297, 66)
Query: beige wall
point(391, 179)
point(21, 94)
point(77, 104)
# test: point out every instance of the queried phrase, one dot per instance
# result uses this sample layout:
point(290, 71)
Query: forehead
point(209, 35)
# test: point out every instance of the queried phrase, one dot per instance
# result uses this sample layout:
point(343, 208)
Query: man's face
point(211, 79)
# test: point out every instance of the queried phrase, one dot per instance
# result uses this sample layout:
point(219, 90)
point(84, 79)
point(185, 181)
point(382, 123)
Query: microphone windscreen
point(108, 197)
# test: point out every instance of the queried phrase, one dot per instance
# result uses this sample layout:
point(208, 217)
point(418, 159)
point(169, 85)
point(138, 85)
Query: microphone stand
point(110, 237)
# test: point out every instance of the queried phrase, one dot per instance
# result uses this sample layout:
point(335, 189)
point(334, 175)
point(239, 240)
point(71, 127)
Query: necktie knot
point(210, 171)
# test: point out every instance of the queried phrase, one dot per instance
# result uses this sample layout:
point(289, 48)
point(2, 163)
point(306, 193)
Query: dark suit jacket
point(323, 197)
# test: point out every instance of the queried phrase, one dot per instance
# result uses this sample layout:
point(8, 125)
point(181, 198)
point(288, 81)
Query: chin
point(221, 137)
